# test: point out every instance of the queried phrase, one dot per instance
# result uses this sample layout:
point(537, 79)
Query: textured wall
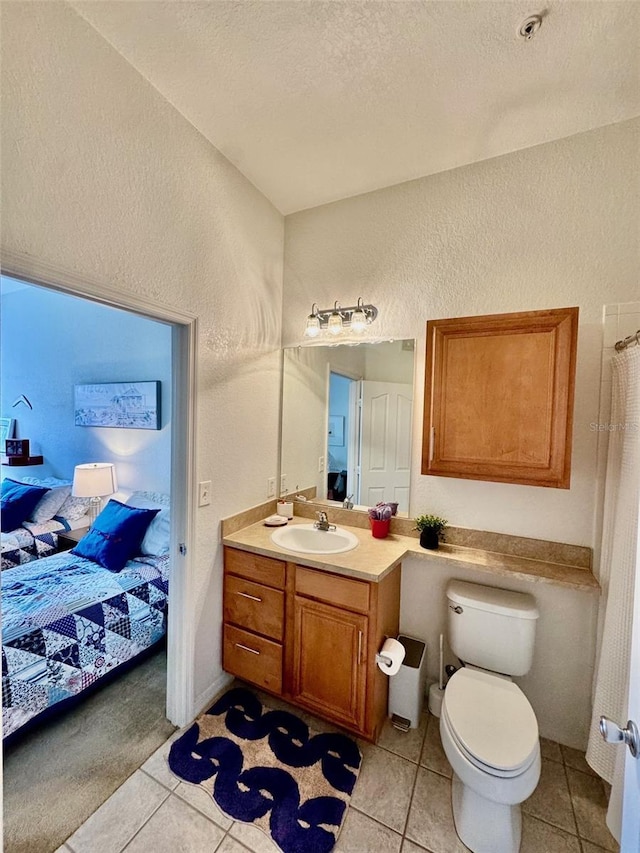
point(51, 342)
point(552, 226)
point(101, 176)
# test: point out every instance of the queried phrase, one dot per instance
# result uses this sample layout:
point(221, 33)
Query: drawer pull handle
point(247, 649)
point(252, 597)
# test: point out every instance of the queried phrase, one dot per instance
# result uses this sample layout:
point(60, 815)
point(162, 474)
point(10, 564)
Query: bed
point(36, 535)
point(31, 541)
point(70, 623)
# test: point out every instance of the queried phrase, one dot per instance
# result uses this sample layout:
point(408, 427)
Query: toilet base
point(483, 825)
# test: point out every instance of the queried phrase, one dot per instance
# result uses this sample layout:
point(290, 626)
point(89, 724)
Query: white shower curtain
point(618, 563)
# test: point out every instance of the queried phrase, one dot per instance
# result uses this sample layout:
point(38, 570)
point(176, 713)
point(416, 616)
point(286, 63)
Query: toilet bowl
point(490, 736)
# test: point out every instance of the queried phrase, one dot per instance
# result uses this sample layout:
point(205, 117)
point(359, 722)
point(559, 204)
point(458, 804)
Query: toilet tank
point(492, 628)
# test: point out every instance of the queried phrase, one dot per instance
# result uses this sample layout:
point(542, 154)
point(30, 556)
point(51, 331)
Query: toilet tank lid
point(503, 601)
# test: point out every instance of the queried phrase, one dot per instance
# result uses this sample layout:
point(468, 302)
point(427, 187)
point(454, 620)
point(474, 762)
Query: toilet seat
point(491, 722)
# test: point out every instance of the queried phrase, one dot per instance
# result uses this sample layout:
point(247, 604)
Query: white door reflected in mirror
point(353, 406)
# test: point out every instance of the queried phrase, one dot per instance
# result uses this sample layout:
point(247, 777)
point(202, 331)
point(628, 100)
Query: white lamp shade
point(93, 480)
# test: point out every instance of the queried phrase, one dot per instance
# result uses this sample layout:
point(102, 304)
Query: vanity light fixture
point(313, 323)
point(337, 320)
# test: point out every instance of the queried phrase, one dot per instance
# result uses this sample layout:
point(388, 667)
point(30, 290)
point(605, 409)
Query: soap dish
point(275, 521)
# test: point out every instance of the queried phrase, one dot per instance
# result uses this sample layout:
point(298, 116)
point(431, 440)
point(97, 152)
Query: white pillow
point(156, 539)
point(74, 508)
point(50, 503)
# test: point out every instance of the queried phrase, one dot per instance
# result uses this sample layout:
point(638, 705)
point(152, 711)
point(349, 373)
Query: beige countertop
point(375, 558)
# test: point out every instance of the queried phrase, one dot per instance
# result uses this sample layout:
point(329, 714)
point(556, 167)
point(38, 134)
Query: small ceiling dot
point(529, 27)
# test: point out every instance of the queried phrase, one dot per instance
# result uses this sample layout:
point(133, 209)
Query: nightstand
point(68, 539)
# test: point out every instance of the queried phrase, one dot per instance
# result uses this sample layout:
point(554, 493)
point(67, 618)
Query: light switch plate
point(204, 493)
point(271, 487)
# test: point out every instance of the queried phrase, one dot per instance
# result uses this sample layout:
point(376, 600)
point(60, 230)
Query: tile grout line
point(415, 781)
point(573, 811)
point(126, 844)
point(235, 840)
point(140, 828)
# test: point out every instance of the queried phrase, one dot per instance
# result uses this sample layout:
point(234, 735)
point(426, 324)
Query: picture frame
point(336, 430)
point(118, 405)
point(17, 447)
point(7, 430)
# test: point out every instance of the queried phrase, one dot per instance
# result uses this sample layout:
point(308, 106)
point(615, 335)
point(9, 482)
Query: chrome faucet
point(347, 503)
point(323, 522)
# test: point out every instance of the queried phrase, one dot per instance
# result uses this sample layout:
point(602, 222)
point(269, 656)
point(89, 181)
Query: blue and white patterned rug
point(266, 767)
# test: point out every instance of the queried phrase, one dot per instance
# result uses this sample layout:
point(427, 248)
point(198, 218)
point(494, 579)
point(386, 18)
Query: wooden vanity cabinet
point(321, 656)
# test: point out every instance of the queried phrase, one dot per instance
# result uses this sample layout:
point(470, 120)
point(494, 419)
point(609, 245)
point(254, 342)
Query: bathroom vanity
point(306, 627)
point(310, 635)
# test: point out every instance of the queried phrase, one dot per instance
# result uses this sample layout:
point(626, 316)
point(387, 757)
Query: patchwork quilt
point(30, 542)
point(67, 622)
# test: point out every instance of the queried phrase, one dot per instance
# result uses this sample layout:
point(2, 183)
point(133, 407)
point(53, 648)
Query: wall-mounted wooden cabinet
point(499, 397)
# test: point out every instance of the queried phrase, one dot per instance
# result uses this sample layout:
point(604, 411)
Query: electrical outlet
point(283, 484)
point(320, 464)
point(204, 493)
point(271, 487)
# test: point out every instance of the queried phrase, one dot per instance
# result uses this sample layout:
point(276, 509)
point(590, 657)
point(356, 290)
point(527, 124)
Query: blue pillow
point(115, 535)
point(18, 502)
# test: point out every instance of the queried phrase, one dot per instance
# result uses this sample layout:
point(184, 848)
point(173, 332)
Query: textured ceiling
point(316, 101)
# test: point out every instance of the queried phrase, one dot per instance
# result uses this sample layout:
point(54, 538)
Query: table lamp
point(94, 480)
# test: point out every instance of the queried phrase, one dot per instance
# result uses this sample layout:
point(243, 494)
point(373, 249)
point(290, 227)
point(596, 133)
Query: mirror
point(346, 422)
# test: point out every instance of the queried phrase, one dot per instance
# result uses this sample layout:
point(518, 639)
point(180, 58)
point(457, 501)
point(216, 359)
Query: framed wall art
point(123, 405)
point(7, 430)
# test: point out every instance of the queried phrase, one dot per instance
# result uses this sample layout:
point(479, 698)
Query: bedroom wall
point(103, 177)
point(50, 342)
point(550, 226)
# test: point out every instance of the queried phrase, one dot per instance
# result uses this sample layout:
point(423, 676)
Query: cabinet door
point(330, 661)
point(499, 397)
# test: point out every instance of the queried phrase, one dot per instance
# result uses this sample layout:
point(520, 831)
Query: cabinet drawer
point(334, 589)
point(255, 567)
point(254, 606)
point(253, 658)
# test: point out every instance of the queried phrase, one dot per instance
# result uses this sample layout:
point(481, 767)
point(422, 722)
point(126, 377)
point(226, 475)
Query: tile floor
point(401, 804)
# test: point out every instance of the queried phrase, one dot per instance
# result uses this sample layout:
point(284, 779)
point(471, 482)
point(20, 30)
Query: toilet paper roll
point(390, 658)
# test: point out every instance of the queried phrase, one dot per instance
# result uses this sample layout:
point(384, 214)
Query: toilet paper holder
point(380, 658)
point(390, 656)
point(383, 659)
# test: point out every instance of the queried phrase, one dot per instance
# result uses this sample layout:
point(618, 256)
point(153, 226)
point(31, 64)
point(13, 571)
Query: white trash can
point(407, 687)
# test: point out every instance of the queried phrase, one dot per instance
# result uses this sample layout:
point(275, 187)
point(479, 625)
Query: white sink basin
point(307, 539)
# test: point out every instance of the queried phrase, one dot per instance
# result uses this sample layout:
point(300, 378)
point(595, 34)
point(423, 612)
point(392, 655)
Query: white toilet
point(488, 728)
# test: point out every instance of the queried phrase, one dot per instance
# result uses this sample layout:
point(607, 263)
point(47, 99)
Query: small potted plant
point(431, 528)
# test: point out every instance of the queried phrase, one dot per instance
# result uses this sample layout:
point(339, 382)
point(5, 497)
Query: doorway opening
point(181, 334)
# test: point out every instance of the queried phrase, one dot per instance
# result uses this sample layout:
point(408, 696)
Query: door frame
point(184, 340)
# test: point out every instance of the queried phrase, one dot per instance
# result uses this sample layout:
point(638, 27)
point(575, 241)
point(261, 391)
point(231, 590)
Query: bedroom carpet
point(58, 775)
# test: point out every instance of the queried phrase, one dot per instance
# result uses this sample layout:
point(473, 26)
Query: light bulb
point(358, 321)
point(334, 326)
point(313, 326)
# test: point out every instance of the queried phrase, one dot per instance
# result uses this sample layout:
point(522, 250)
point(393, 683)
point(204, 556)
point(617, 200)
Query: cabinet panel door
point(330, 660)
point(499, 397)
